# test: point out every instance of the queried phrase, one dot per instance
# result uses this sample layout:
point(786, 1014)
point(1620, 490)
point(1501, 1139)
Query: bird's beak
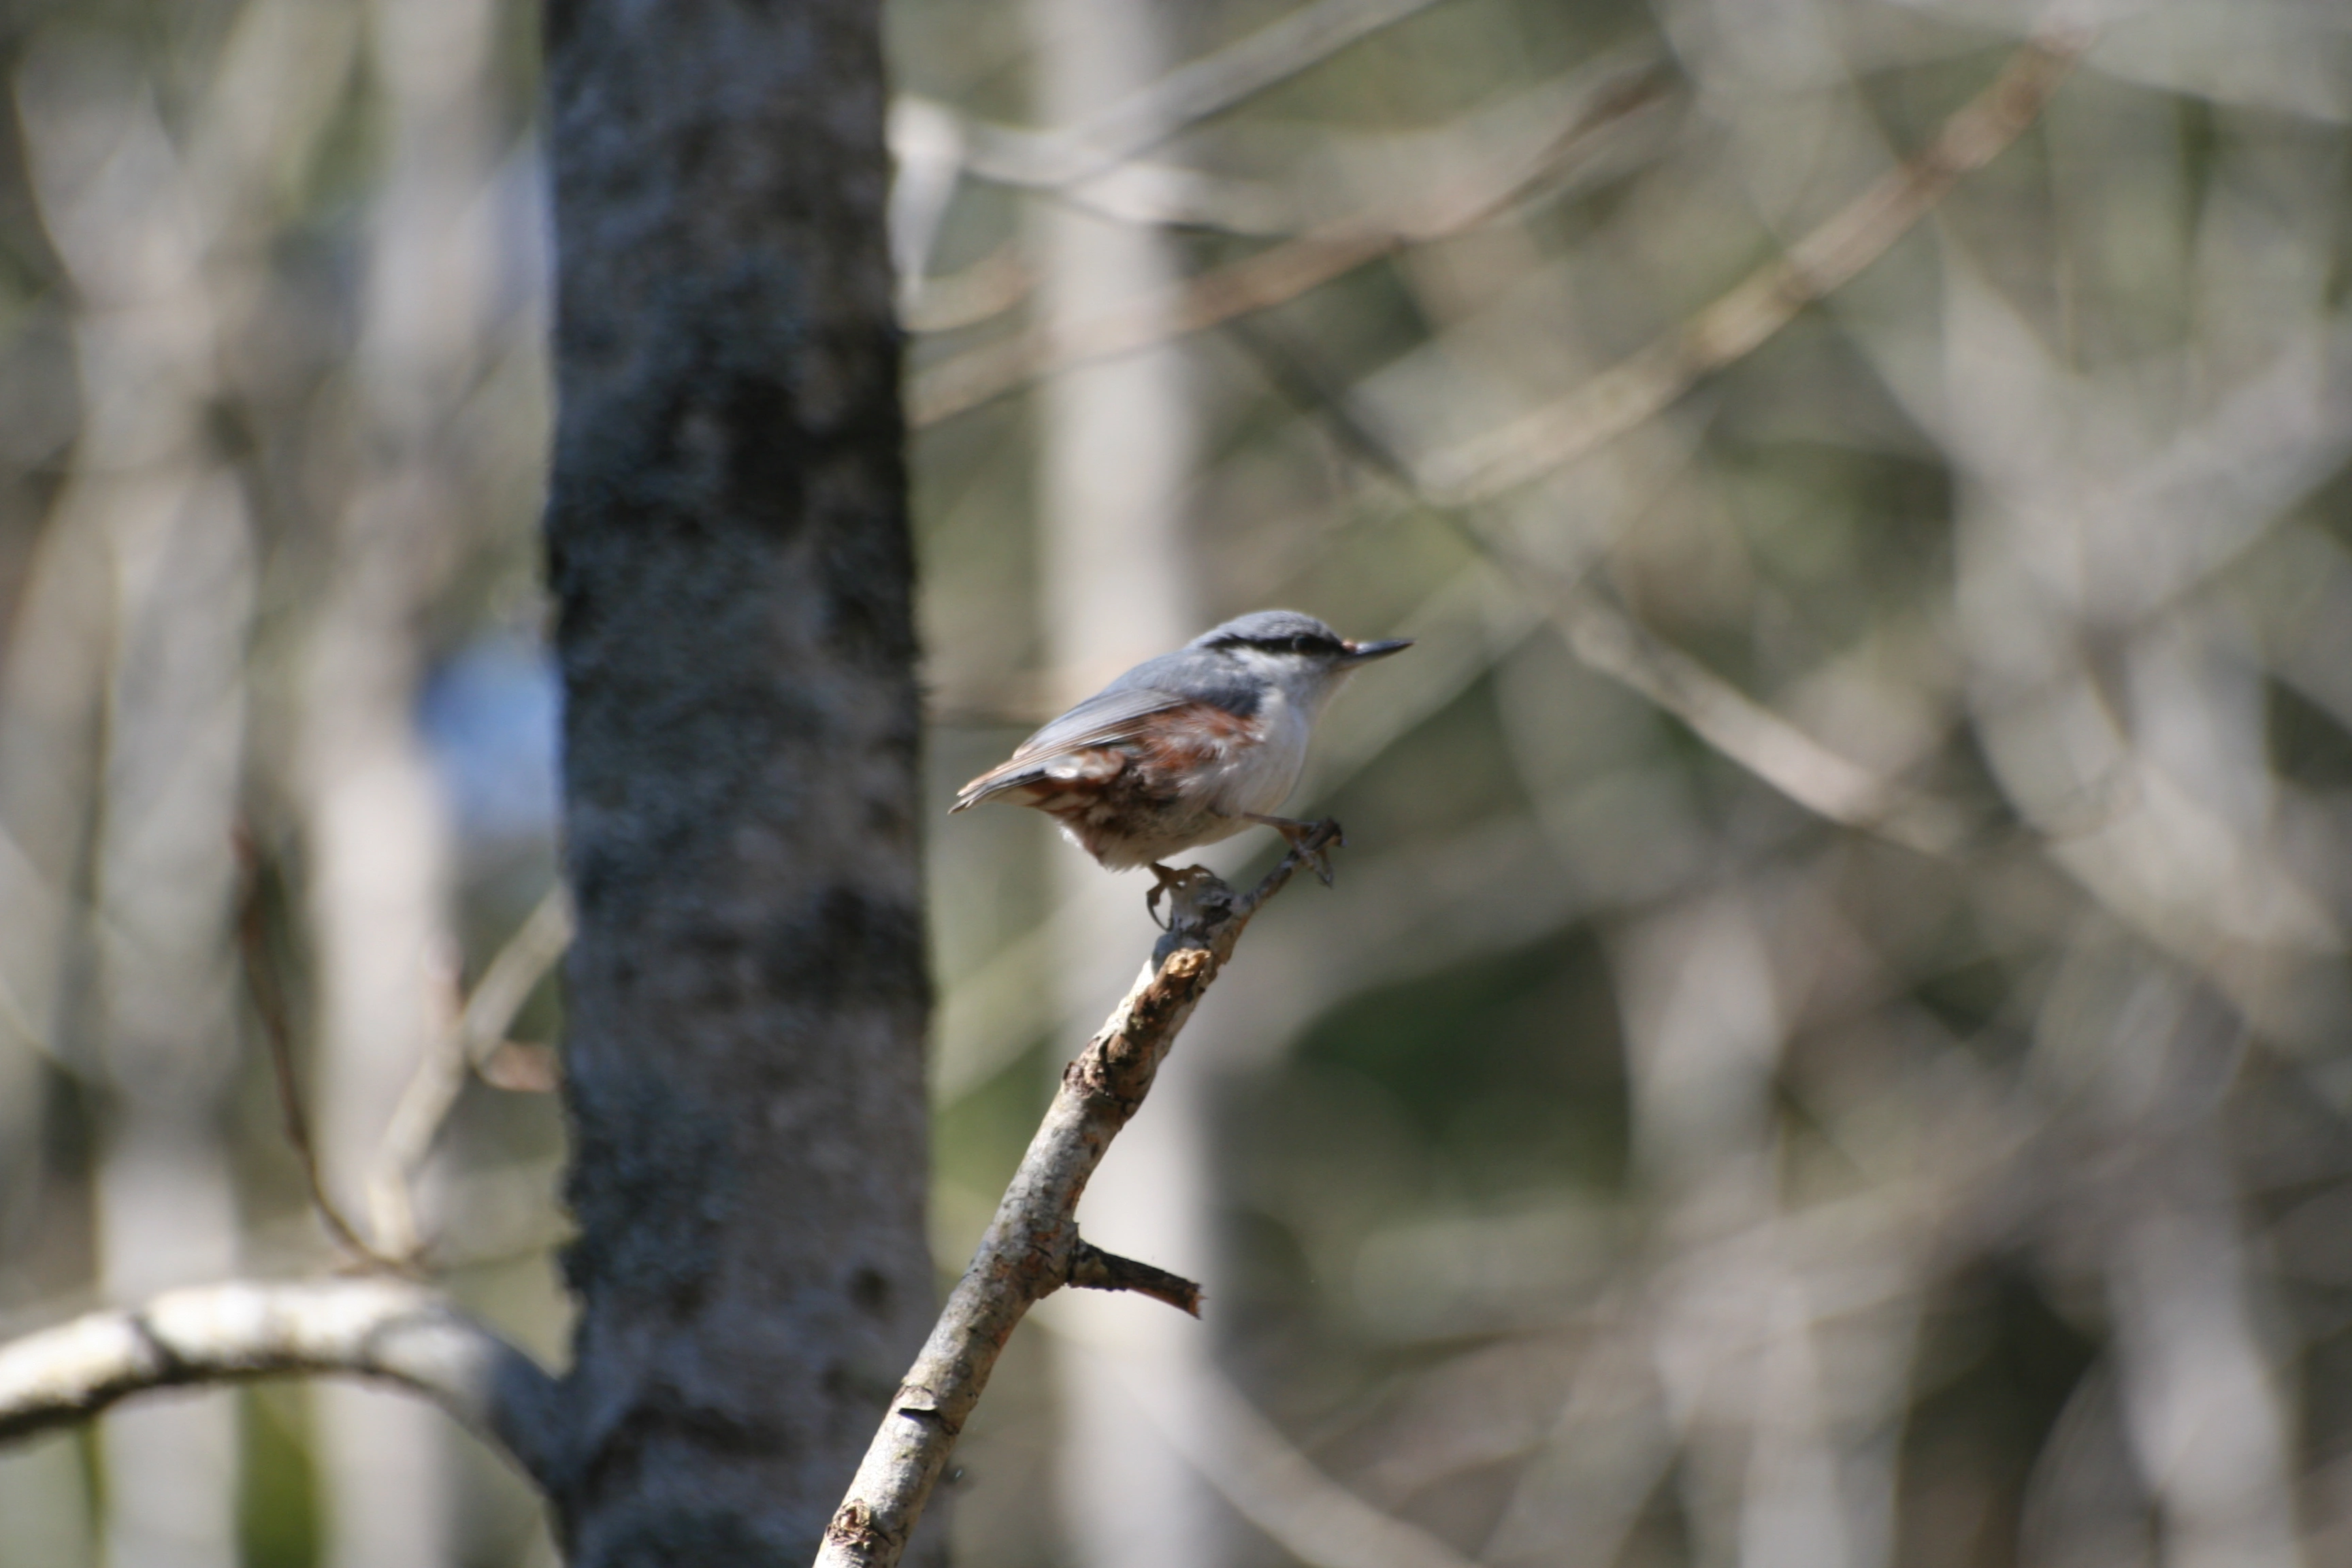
point(1365, 652)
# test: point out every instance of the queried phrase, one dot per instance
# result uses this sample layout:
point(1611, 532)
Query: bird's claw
point(1166, 881)
point(1313, 842)
point(1317, 847)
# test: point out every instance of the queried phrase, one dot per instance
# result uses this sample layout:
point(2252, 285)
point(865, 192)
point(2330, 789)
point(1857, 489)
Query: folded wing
point(1082, 745)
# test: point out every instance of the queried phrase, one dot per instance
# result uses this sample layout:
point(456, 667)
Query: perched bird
point(1188, 748)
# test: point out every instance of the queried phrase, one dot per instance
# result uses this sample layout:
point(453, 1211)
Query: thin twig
point(988, 287)
point(1032, 1246)
point(390, 1331)
point(1639, 387)
point(269, 1005)
point(467, 1047)
point(1273, 1486)
point(1274, 275)
point(1611, 403)
point(1831, 785)
point(1611, 642)
point(1186, 96)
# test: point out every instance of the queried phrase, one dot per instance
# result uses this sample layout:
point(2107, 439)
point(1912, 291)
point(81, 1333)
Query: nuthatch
point(1188, 748)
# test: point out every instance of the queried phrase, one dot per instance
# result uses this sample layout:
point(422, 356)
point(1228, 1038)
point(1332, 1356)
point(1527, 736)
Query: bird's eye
point(1299, 645)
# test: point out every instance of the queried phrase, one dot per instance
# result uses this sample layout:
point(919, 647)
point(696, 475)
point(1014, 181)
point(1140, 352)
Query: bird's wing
point(1103, 720)
point(1107, 719)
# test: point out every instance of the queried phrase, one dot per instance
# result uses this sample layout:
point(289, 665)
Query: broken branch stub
point(1032, 1248)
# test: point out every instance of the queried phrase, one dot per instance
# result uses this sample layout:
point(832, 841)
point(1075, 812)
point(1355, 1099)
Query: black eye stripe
point(1304, 642)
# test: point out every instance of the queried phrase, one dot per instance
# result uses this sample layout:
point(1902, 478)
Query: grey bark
point(727, 546)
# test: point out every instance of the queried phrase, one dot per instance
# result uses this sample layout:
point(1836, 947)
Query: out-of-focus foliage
point(272, 364)
point(1829, 1046)
point(1925, 1156)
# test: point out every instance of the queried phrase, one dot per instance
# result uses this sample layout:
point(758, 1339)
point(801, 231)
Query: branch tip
point(277, 1031)
point(1092, 1268)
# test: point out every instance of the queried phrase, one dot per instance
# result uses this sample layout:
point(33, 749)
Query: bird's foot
point(1310, 841)
point(1165, 880)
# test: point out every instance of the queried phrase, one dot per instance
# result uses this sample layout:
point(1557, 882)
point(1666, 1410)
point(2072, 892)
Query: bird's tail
point(996, 784)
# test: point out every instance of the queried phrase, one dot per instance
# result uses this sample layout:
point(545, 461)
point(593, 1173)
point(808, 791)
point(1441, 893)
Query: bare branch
point(469, 1047)
point(1281, 1490)
point(1273, 1485)
point(1032, 1246)
point(989, 287)
point(1639, 387)
point(1185, 96)
point(1280, 273)
point(1092, 161)
point(270, 1004)
point(388, 1329)
point(1820, 780)
point(1611, 643)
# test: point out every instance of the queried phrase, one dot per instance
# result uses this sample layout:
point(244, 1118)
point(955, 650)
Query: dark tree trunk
point(727, 546)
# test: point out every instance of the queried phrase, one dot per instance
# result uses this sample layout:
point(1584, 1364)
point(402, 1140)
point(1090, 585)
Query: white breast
point(1259, 778)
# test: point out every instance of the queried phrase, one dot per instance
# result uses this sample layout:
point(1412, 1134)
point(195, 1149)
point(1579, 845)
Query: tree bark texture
point(728, 551)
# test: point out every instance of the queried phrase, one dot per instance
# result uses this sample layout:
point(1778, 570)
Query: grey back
point(1195, 673)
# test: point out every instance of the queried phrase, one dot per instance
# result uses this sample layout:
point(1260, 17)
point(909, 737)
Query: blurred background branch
point(205, 1335)
point(1829, 1043)
point(472, 1044)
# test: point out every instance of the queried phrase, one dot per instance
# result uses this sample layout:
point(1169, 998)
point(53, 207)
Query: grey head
point(1291, 634)
point(1233, 665)
point(1271, 631)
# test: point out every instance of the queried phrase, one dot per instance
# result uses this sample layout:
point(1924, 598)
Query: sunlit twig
point(469, 1047)
point(1279, 1490)
point(269, 1005)
point(1276, 275)
point(1611, 642)
point(1826, 783)
point(1637, 388)
point(1184, 97)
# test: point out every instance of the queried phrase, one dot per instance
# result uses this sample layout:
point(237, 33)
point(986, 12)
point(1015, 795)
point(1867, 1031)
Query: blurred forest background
point(1831, 1044)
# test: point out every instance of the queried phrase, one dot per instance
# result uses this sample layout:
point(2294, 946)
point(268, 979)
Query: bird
point(1189, 748)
